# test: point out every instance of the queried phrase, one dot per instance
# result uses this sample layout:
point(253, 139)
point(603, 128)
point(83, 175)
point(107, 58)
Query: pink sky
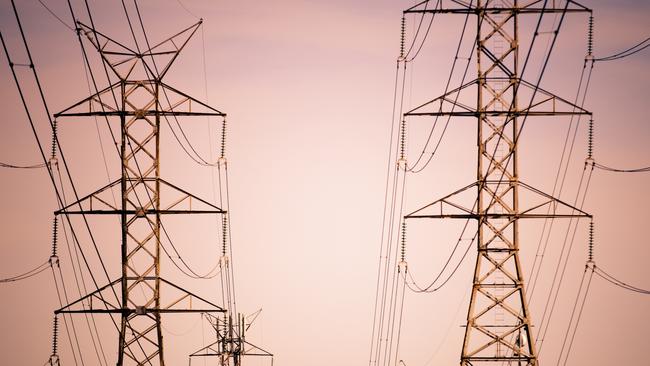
point(308, 91)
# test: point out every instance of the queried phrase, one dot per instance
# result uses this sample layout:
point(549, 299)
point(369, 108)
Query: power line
point(429, 288)
point(616, 282)
point(55, 16)
point(16, 166)
point(31, 122)
point(390, 163)
point(628, 52)
point(462, 82)
point(28, 274)
point(60, 200)
point(426, 34)
point(619, 170)
point(581, 298)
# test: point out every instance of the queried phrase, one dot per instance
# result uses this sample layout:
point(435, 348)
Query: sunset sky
point(308, 89)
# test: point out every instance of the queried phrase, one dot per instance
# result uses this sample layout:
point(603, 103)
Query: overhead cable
point(628, 52)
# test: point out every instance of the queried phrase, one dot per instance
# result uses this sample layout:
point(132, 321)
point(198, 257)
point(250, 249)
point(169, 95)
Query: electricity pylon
point(498, 319)
point(139, 100)
point(231, 346)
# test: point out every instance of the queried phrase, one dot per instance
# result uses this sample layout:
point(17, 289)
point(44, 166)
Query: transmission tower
point(498, 325)
point(231, 346)
point(139, 100)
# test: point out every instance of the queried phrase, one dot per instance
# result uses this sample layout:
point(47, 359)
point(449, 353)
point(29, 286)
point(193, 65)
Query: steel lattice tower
point(499, 325)
point(139, 99)
point(231, 346)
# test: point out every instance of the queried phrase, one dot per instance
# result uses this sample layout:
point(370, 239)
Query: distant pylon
point(231, 346)
point(498, 325)
point(139, 100)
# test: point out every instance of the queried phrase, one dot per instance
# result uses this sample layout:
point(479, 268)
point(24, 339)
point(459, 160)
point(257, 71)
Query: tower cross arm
point(470, 7)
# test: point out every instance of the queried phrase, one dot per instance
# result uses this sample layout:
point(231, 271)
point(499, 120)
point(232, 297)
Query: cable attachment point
point(54, 259)
point(590, 258)
point(403, 266)
point(402, 39)
point(402, 146)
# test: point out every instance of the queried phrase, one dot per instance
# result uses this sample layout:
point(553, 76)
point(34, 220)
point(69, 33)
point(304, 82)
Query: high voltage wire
point(619, 170)
point(628, 52)
point(16, 166)
point(537, 264)
point(382, 299)
point(564, 157)
point(376, 343)
point(544, 325)
point(462, 82)
point(581, 298)
point(616, 282)
point(55, 16)
point(31, 273)
point(417, 32)
point(42, 97)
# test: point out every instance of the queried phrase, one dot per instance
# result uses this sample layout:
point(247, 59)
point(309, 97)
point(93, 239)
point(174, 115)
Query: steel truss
point(136, 100)
point(498, 319)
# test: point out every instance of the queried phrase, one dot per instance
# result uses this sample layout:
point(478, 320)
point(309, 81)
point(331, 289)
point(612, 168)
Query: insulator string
point(55, 335)
point(591, 242)
point(402, 143)
point(403, 249)
point(590, 142)
point(223, 139)
point(402, 37)
point(224, 237)
point(54, 139)
point(54, 259)
point(590, 37)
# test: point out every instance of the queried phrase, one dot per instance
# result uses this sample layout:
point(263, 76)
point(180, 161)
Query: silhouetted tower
point(498, 319)
point(231, 346)
point(139, 100)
